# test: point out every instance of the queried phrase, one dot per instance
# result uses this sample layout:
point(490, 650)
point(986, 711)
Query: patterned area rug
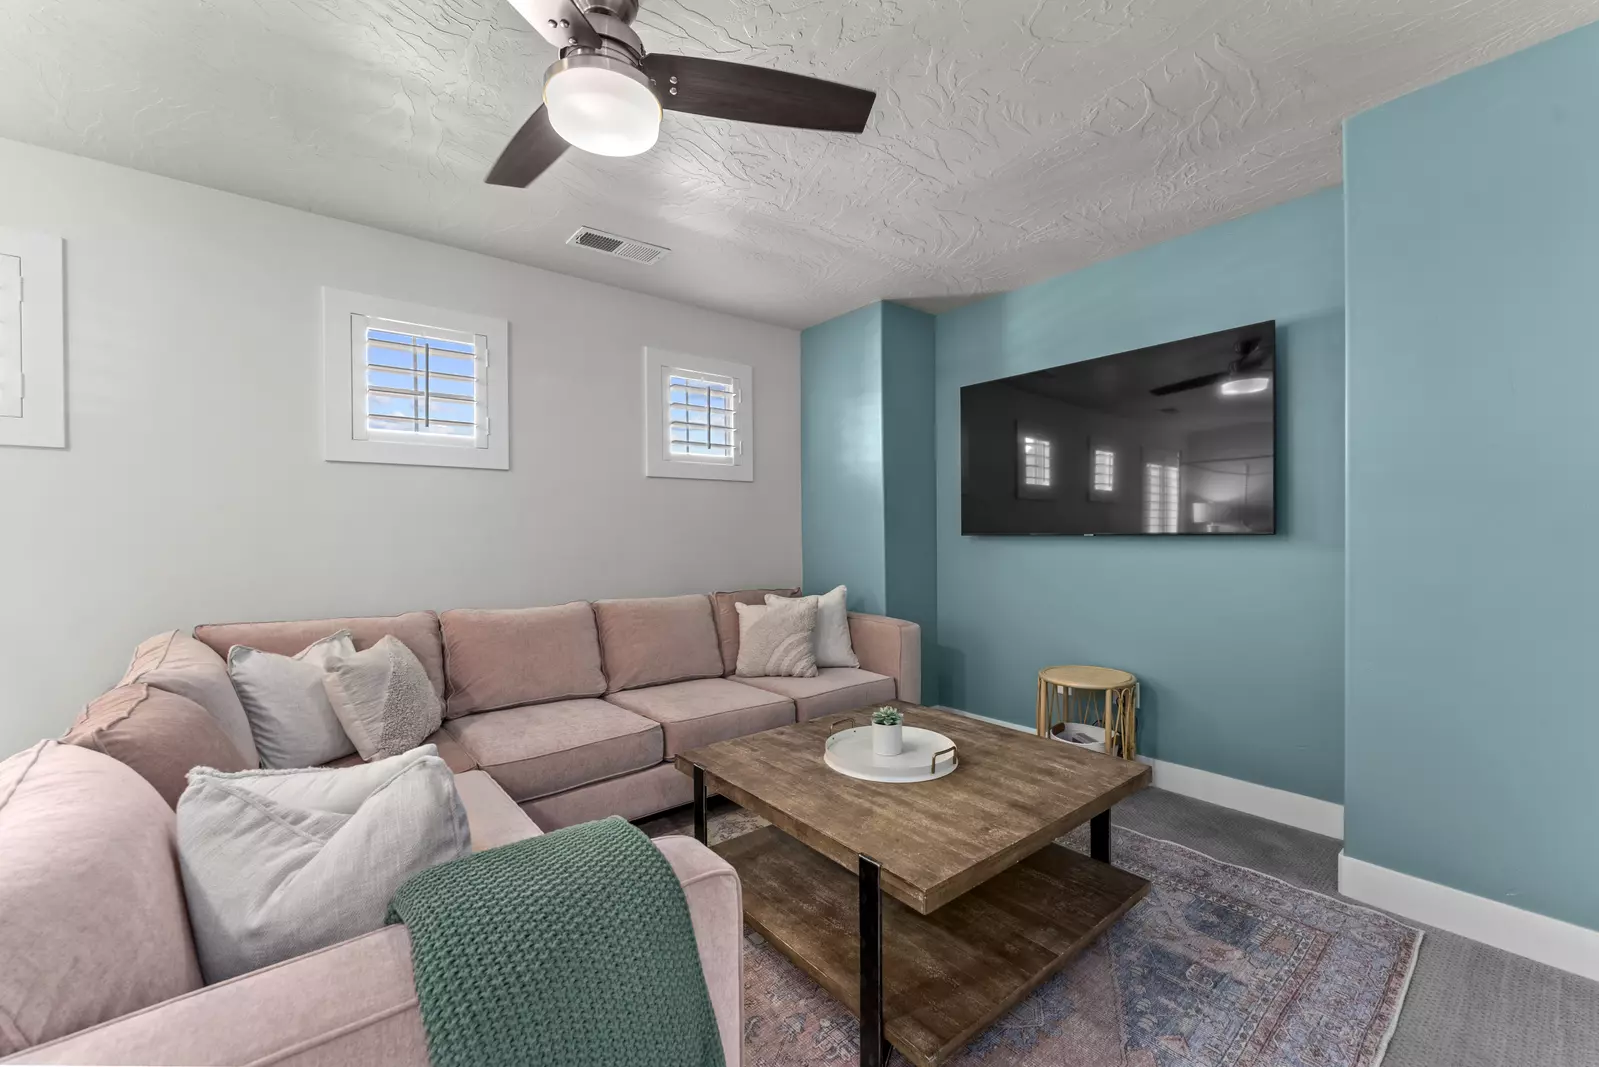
point(1219, 966)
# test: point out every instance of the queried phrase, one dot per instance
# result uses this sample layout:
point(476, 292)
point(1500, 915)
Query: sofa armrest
point(716, 907)
point(892, 647)
point(354, 1004)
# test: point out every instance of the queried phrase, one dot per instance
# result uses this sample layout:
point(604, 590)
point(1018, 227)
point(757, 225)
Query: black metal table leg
point(1099, 836)
point(874, 1048)
point(701, 833)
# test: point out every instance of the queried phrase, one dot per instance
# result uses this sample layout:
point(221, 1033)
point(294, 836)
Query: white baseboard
point(1524, 933)
point(1293, 809)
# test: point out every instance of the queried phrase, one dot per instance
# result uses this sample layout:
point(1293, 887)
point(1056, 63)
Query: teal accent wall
point(910, 483)
point(841, 456)
point(1473, 600)
point(1238, 641)
point(868, 480)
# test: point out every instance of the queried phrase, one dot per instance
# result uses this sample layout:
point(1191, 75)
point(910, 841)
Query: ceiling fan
point(605, 94)
point(1236, 380)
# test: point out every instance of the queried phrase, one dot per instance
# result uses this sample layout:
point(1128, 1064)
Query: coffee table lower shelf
point(946, 975)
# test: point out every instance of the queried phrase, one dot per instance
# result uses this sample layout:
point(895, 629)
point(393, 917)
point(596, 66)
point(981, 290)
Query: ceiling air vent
point(612, 245)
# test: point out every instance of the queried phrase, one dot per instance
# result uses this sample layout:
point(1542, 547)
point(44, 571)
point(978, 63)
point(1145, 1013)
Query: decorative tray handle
point(833, 726)
point(953, 759)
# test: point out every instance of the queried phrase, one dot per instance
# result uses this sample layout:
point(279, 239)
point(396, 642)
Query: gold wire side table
point(1093, 696)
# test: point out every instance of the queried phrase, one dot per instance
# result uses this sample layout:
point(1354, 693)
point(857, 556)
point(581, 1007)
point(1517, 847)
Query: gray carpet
point(1469, 1005)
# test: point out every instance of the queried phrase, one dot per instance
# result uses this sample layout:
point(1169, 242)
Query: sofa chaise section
point(102, 971)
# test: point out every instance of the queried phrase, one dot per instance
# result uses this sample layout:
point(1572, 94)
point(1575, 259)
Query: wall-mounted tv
point(1178, 438)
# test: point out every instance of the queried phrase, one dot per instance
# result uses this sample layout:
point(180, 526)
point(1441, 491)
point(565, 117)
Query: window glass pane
point(451, 387)
point(387, 357)
point(445, 364)
point(452, 410)
point(380, 404)
point(391, 424)
point(388, 379)
point(449, 430)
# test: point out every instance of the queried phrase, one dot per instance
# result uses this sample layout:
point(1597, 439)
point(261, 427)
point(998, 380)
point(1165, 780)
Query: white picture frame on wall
point(33, 348)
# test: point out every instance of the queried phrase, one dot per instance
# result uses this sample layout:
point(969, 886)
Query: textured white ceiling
point(1012, 139)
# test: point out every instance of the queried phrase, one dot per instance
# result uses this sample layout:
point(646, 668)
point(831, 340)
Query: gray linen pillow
point(776, 640)
point(383, 699)
point(833, 648)
point(288, 708)
point(280, 863)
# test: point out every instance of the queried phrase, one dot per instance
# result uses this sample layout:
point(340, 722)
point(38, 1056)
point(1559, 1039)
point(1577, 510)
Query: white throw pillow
point(288, 708)
point(280, 863)
point(777, 640)
point(833, 648)
point(384, 699)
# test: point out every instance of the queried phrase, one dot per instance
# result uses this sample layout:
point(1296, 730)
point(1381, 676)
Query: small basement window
point(414, 385)
point(698, 417)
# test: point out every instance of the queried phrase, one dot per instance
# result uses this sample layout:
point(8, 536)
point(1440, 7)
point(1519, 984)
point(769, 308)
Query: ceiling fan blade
point(1189, 383)
point(757, 94)
point(562, 22)
point(532, 149)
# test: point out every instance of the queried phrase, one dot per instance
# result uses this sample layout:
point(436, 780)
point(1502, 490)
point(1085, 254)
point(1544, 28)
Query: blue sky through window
point(420, 384)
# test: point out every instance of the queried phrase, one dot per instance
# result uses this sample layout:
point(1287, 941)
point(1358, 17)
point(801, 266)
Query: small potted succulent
point(887, 731)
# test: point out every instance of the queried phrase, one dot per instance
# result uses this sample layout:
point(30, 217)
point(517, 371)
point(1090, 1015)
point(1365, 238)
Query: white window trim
point(38, 378)
point(658, 459)
point(345, 437)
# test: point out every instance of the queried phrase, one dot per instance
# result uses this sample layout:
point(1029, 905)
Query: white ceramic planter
point(888, 740)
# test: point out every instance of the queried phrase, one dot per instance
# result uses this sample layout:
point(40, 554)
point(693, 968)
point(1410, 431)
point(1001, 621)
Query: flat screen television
point(1177, 438)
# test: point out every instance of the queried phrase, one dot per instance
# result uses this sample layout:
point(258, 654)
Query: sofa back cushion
point(419, 630)
point(93, 922)
point(159, 734)
point(722, 606)
point(502, 659)
point(174, 662)
point(657, 640)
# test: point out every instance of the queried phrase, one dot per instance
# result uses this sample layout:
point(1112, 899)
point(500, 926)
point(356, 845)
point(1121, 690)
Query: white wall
point(194, 490)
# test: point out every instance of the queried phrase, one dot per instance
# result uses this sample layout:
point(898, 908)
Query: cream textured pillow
point(288, 708)
point(775, 640)
point(279, 863)
point(833, 648)
point(383, 699)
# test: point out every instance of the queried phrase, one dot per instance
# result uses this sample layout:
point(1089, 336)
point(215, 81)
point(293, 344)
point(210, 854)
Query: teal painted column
point(1473, 258)
point(868, 478)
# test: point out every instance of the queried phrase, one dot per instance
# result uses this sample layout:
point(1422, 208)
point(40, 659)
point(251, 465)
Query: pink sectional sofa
point(578, 711)
point(554, 716)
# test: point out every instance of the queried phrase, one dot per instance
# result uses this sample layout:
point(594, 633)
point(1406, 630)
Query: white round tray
point(926, 755)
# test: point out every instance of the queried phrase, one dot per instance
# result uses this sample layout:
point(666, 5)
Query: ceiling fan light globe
point(1245, 386)
point(602, 106)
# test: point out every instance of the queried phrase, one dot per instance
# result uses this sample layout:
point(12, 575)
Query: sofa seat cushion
point(706, 710)
point(656, 640)
point(832, 691)
point(544, 748)
point(419, 630)
point(455, 757)
point(92, 920)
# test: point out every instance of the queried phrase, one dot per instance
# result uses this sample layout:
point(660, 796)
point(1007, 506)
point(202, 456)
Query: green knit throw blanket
point(574, 948)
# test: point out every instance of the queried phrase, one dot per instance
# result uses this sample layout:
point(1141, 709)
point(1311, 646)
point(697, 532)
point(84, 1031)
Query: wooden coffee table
point(959, 878)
